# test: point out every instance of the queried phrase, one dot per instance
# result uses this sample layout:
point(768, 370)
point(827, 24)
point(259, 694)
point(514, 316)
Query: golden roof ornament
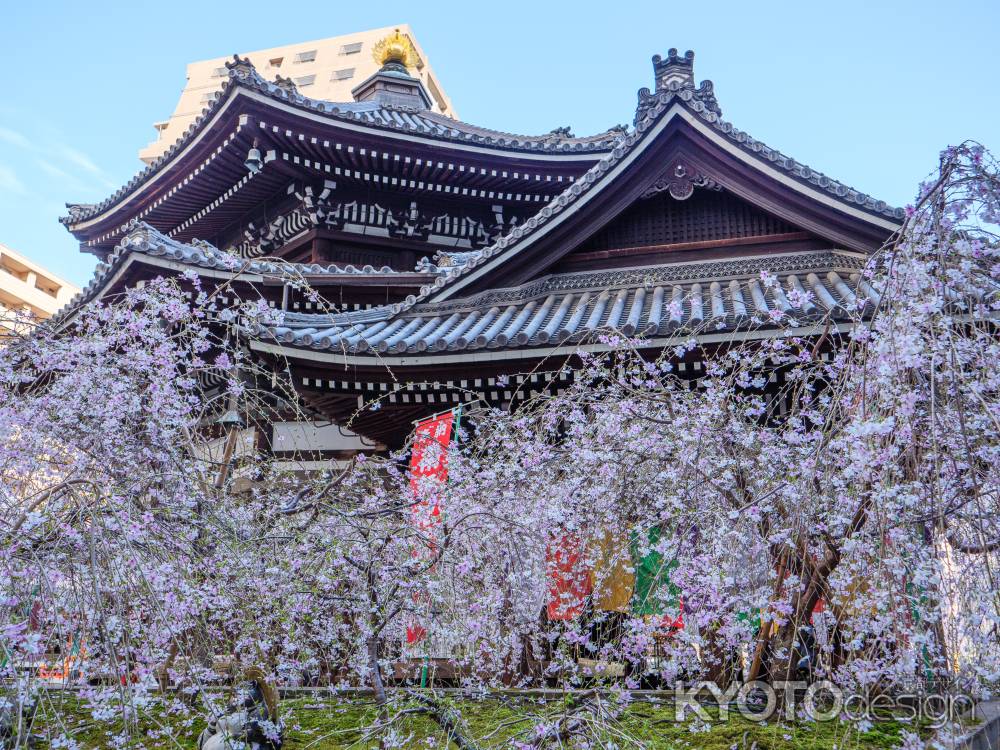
point(396, 48)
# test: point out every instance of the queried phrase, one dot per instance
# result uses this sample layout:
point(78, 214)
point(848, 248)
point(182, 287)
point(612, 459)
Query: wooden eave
point(307, 146)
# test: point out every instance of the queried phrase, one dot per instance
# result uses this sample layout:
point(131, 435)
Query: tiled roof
point(426, 122)
point(570, 308)
point(700, 100)
point(652, 106)
point(405, 119)
point(146, 240)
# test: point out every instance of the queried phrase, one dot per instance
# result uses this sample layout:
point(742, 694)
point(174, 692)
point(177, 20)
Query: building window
point(15, 269)
point(305, 80)
point(305, 57)
point(45, 285)
point(351, 49)
point(342, 75)
point(275, 62)
point(220, 72)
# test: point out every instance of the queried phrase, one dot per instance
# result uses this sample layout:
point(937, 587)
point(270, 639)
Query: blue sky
point(868, 92)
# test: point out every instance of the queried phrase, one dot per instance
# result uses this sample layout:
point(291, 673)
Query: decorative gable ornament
point(680, 180)
point(242, 69)
point(674, 77)
point(286, 84)
point(673, 69)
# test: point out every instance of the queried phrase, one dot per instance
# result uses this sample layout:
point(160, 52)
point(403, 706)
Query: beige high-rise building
point(27, 287)
point(327, 69)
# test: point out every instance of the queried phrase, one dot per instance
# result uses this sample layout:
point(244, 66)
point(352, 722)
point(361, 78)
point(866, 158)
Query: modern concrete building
point(26, 286)
point(326, 69)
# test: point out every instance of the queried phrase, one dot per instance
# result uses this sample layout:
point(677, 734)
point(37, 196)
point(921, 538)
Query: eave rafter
point(416, 186)
point(196, 205)
point(409, 162)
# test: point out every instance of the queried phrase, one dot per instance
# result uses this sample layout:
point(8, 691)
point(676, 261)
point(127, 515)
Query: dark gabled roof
point(425, 123)
point(652, 107)
point(705, 297)
point(242, 75)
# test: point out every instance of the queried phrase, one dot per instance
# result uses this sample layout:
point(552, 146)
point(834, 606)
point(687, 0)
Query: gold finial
point(396, 48)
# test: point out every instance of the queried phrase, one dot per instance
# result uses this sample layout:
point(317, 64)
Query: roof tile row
point(146, 240)
point(562, 317)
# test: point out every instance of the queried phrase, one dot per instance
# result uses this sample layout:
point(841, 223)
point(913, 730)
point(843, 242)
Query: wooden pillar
point(322, 250)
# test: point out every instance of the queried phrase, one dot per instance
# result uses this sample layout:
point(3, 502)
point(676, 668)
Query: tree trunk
point(783, 654)
point(380, 697)
point(373, 662)
point(758, 665)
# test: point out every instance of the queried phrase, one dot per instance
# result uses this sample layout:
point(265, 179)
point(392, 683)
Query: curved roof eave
point(145, 242)
point(574, 307)
point(402, 123)
point(569, 347)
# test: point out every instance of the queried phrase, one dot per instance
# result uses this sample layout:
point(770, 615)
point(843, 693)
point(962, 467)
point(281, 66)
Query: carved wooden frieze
point(324, 207)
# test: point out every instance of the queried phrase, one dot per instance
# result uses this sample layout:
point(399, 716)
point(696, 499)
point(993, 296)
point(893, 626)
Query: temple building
point(463, 265)
point(325, 69)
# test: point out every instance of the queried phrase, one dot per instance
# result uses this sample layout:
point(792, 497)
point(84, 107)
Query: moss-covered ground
point(326, 723)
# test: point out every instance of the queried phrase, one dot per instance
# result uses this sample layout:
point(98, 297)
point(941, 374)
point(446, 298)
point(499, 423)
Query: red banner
point(429, 461)
point(428, 471)
point(569, 578)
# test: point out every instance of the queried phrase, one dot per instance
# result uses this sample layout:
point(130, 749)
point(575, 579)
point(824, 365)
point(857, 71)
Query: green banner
point(654, 591)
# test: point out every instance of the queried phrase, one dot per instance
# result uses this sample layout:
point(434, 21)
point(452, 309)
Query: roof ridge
point(557, 135)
